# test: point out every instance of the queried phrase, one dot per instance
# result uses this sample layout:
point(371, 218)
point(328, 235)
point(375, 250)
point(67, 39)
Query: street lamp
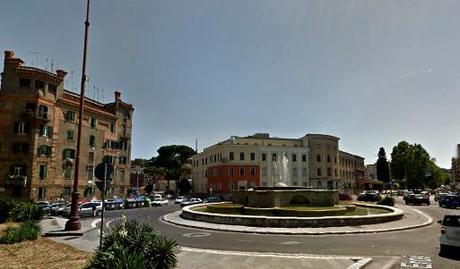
point(73, 223)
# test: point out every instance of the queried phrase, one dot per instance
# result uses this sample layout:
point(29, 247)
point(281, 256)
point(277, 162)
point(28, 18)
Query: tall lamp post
point(73, 223)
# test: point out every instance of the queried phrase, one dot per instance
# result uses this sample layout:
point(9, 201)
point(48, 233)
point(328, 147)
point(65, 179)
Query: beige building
point(38, 132)
point(238, 163)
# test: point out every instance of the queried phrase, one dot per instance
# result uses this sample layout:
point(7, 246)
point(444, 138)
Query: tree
point(383, 171)
point(184, 186)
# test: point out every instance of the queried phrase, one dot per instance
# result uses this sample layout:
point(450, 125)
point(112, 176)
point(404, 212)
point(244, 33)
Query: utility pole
point(73, 223)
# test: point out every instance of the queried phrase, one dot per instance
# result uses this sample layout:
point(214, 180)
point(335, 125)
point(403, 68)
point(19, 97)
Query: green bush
point(25, 210)
point(6, 205)
point(389, 201)
point(28, 230)
point(134, 245)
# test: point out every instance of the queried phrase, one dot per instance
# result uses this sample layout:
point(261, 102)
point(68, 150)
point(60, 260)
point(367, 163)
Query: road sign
point(103, 171)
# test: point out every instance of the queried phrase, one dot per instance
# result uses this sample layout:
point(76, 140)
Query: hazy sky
point(370, 72)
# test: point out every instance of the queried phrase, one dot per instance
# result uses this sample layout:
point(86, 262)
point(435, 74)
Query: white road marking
point(360, 264)
point(95, 222)
point(271, 254)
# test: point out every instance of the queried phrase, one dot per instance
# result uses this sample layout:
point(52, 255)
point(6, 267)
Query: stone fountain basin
point(393, 214)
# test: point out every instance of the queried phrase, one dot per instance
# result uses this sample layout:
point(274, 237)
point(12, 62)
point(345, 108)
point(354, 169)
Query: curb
point(360, 264)
point(61, 233)
point(429, 221)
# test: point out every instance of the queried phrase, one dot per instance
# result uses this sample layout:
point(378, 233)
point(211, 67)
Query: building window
point(43, 112)
point(294, 157)
point(18, 170)
point(253, 171)
point(122, 175)
point(318, 172)
point(19, 128)
point(231, 157)
point(67, 172)
point(329, 172)
point(41, 192)
point(46, 131)
point(90, 172)
point(318, 158)
point(43, 171)
point(264, 171)
point(328, 158)
point(241, 156)
point(294, 172)
point(230, 171)
point(253, 156)
point(108, 159)
point(304, 157)
point(68, 154)
point(66, 192)
point(39, 85)
point(52, 88)
point(335, 159)
point(242, 171)
point(112, 127)
point(70, 135)
point(21, 148)
point(92, 122)
point(264, 156)
point(70, 115)
point(24, 83)
point(304, 171)
point(122, 160)
point(206, 173)
point(44, 150)
point(335, 172)
point(274, 158)
point(92, 141)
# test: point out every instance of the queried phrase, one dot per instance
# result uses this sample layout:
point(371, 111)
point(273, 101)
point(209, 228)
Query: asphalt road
point(422, 241)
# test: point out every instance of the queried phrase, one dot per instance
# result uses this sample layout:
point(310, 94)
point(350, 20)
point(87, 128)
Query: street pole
point(103, 204)
point(73, 223)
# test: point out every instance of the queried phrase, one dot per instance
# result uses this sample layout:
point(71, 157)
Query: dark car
point(450, 201)
point(212, 199)
point(418, 199)
point(369, 197)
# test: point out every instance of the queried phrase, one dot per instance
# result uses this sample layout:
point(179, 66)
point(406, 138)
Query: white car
point(89, 209)
point(159, 201)
point(179, 199)
point(191, 201)
point(450, 232)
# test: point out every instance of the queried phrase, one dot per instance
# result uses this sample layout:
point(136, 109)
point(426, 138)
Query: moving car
point(179, 199)
point(450, 232)
point(450, 201)
point(418, 199)
point(369, 197)
point(158, 201)
point(191, 201)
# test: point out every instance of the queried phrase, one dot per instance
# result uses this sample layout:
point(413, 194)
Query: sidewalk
point(412, 218)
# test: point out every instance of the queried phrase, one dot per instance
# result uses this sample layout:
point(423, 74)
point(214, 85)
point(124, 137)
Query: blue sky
point(371, 72)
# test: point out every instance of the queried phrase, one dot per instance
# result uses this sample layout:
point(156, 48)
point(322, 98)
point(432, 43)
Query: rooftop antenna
point(34, 57)
point(52, 64)
point(196, 145)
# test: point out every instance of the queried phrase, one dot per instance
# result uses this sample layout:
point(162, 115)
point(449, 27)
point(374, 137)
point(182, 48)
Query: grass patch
point(42, 253)
point(26, 231)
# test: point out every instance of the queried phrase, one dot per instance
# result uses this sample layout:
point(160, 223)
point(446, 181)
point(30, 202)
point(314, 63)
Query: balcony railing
point(15, 180)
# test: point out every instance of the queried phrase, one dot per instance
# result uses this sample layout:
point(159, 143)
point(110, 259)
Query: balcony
point(15, 181)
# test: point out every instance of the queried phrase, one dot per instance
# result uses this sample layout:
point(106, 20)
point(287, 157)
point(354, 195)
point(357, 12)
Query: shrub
point(28, 230)
point(345, 197)
point(24, 210)
point(389, 201)
point(6, 205)
point(134, 245)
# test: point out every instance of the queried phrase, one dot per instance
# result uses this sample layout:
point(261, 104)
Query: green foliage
point(6, 205)
point(25, 210)
point(383, 170)
point(387, 200)
point(134, 245)
point(28, 230)
point(412, 167)
point(184, 186)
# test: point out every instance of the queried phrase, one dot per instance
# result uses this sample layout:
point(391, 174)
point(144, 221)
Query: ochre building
point(38, 134)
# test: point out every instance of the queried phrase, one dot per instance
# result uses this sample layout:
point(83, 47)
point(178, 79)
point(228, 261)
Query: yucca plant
point(28, 230)
point(131, 243)
point(25, 210)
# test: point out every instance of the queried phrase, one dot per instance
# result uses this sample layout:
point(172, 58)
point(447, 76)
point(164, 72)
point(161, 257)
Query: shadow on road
point(453, 254)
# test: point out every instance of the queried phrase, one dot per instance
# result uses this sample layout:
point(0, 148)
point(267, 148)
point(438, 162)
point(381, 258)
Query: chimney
point(117, 95)
point(458, 150)
point(61, 73)
point(10, 60)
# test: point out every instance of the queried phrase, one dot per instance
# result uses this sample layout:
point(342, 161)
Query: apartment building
point(38, 133)
point(240, 163)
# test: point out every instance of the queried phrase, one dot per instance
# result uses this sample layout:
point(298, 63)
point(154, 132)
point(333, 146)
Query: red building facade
point(226, 178)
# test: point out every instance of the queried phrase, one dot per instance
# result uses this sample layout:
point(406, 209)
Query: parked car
point(212, 199)
point(191, 201)
point(112, 204)
point(159, 201)
point(62, 209)
point(439, 196)
point(179, 199)
point(53, 208)
point(369, 197)
point(91, 209)
point(44, 205)
point(450, 201)
point(418, 199)
point(450, 232)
